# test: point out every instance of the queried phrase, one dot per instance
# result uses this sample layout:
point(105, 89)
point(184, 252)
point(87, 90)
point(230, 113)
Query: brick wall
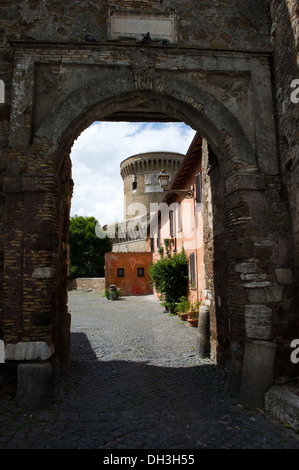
point(128, 280)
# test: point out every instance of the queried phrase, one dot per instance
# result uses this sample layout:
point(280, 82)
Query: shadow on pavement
point(97, 384)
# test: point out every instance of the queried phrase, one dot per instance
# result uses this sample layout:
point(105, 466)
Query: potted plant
point(184, 316)
point(182, 308)
point(193, 313)
point(193, 319)
point(166, 306)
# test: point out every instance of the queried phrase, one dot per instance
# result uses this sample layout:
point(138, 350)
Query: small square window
point(140, 272)
point(120, 272)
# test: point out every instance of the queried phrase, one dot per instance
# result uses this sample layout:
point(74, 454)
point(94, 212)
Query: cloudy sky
point(96, 156)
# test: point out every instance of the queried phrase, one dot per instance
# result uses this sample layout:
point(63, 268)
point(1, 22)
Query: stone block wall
point(215, 255)
point(211, 25)
point(96, 284)
point(285, 43)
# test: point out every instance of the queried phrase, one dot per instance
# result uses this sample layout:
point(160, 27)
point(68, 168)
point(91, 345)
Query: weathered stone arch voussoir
point(182, 100)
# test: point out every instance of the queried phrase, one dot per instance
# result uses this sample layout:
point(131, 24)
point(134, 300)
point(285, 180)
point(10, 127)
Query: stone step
point(283, 402)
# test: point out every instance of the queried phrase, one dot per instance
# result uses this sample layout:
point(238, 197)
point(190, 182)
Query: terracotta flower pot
point(184, 316)
point(193, 322)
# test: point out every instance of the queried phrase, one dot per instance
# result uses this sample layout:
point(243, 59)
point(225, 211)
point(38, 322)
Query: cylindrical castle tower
point(140, 175)
point(141, 188)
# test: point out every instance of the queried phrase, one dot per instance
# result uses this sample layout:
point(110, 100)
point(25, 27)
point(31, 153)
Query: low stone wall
point(94, 284)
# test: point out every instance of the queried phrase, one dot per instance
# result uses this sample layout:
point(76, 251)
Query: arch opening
point(146, 104)
point(235, 203)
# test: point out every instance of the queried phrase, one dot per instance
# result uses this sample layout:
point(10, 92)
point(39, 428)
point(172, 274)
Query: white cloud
point(96, 156)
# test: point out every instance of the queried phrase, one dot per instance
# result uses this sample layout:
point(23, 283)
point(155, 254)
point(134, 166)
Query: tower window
point(134, 185)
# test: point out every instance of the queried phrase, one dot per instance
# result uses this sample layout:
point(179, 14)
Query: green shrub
point(87, 250)
point(169, 276)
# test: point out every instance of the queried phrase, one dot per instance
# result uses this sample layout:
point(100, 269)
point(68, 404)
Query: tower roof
point(150, 161)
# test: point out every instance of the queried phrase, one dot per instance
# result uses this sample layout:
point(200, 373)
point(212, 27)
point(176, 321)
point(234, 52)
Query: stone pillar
point(203, 334)
point(34, 385)
point(37, 373)
point(258, 372)
point(236, 368)
point(64, 338)
point(259, 356)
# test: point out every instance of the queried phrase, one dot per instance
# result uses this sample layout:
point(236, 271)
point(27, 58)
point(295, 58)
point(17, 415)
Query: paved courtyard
point(134, 383)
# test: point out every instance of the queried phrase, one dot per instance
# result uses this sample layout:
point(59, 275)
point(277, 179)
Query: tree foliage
point(87, 251)
point(170, 276)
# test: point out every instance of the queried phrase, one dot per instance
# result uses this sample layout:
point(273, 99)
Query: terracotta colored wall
point(191, 237)
point(130, 284)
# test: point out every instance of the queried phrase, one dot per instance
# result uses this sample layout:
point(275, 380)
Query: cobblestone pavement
point(134, 383)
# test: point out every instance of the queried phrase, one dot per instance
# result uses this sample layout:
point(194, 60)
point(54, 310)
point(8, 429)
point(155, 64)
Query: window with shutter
point(179, 218)
point(159, 231)
point(192, 271)
point(171, 224)
point(159, 237)
point(198, 188)
point(152, 244)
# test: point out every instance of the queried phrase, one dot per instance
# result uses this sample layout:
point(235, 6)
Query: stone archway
point(245, 197)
